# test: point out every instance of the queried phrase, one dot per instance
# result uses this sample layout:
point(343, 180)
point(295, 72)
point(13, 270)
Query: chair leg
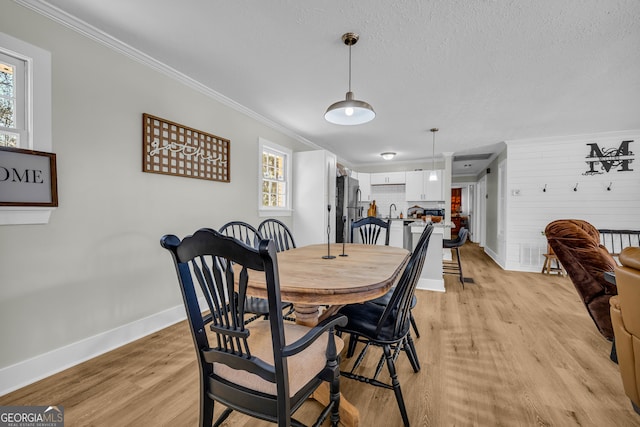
point(410, 349)
point(396, 384)
point(351, 349)
point(460, 267)
point(334, 384)
point(221, 418)
point(414, 325)
point(335, 399)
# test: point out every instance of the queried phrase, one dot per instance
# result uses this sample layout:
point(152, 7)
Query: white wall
point(560, 164)
point(96, 276)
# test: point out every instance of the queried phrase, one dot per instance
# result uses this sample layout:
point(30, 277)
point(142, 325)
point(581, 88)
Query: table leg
point(349, 414)
point(309, 315)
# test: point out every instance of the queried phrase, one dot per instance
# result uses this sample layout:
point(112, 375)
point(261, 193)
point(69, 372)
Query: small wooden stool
point(552, 264)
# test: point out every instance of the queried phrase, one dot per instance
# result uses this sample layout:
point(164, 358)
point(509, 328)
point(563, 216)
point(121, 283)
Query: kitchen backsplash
point(385, 195)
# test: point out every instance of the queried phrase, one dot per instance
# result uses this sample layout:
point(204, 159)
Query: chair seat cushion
point(363, 321)
point(384, 299)
point(451, 243)
point(303, 367)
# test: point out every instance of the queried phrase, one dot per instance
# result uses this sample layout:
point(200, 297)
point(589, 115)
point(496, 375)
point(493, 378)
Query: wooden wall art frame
point(169, 148)
point(28, 178)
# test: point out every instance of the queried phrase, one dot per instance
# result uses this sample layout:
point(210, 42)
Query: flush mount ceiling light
point(433, 176)
point(388, 155)
point(350, 111)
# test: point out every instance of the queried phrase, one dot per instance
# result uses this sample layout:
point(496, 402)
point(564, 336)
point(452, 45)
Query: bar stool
point(552, 264)
point(455, 267)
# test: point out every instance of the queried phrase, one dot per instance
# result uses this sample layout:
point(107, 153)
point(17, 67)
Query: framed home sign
point(27, 178)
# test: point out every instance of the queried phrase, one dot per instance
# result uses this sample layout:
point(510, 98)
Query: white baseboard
point(493, 256)
point(431, 285)
point(31, 370)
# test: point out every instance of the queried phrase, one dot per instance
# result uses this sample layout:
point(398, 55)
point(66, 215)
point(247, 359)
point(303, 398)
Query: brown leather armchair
point(625, 317)
point(577, 246)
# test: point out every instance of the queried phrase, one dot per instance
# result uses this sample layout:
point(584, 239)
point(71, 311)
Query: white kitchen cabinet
point(314, 187)
point(419, 188)
point(414, 188)
point(382, 178)
point(364, 181)
point(396, 234)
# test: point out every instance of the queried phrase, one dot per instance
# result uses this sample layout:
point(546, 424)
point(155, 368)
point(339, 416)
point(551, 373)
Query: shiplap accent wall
point(560, 164)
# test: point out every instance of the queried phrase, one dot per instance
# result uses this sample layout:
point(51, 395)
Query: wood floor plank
point(511, 349)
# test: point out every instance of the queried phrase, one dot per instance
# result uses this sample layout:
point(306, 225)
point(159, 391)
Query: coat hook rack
point(576, 187)
point(609, 187)
point(544, 190)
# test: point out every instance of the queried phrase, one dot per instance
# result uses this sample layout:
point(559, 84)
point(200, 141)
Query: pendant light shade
point(350, 111)
point(433, 175)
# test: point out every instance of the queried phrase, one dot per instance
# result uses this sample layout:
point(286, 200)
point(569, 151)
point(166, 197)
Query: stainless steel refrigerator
point(347, 209)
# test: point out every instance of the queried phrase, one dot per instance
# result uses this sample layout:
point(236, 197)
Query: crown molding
point(55, 14)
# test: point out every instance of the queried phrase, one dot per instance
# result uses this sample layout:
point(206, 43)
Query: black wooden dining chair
point(242, 231)
point(249, 235)
point(266, 369)
point(455, 267)
point(370, 229)
point(388, 326)
point(277, 231)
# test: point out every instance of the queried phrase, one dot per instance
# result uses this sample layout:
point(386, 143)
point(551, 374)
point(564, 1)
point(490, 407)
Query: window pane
point(7, 96)
point(265, 169)
point(274, 178)
point(7, 82)
point(8, 139)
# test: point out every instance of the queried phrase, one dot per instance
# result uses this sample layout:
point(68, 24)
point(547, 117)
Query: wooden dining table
point(318, 287)
point(311, 282)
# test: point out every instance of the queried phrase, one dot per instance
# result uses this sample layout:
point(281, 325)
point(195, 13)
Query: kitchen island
point(432, 278)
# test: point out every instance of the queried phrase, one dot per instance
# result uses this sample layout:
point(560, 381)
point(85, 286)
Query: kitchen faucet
point(358, 200)
point(393, 205)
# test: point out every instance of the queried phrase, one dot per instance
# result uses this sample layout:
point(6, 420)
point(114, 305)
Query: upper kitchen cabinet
point(383, 178)
point(419, 188)
point(364, 180)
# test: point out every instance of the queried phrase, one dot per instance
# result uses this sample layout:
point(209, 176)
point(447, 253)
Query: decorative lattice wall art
point(169, 148)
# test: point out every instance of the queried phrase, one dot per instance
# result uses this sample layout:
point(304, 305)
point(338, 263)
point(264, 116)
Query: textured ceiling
point(483, 71)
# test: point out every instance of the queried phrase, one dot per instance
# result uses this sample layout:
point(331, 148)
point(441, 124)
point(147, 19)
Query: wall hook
point(544, 190)
point(576, 187)
point(609, 187)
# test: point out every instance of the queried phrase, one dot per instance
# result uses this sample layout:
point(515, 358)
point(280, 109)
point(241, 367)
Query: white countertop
point(439, 227)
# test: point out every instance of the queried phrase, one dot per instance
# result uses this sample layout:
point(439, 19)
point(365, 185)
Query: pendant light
point(350, 111)
point(388, 155)
point(433, 176)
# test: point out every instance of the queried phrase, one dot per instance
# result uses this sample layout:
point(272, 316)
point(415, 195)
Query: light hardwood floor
point(512, 349)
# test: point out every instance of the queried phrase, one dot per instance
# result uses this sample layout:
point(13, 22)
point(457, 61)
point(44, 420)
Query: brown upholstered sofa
point(576, 243)
point(625, 316)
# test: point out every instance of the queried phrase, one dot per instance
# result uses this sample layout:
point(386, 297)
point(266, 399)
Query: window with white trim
point(25, 112)
point(13, 102)
point(25, 95)
point(274, 193)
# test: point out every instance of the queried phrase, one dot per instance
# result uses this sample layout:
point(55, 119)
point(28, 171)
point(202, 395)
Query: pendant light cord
point(433, 149)
point(350, 67)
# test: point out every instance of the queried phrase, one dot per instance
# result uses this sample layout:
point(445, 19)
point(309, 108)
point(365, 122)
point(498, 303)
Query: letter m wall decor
point(169, 148)
point(605, 160)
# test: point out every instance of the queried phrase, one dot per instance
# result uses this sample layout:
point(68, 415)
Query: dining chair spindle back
point(278, 232)
point(266, 369)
